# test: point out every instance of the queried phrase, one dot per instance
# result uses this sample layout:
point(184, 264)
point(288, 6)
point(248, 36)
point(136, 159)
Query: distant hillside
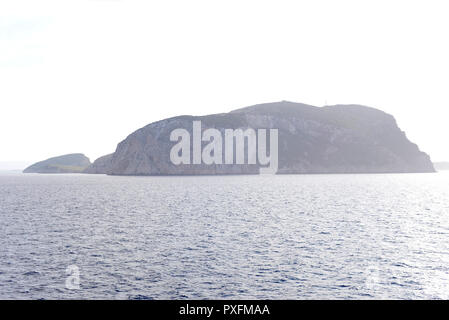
point(69, 163)
point(441, 165)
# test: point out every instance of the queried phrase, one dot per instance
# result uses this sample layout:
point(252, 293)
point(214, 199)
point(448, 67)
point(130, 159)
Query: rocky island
point(331, 139)
point(69, 163)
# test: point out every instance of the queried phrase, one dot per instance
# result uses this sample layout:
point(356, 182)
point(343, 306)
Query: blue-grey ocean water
point(225, 237)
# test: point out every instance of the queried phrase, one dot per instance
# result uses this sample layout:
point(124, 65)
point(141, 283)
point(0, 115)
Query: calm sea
point(224, 237)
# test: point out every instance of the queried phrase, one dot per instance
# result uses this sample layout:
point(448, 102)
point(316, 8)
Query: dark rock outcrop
point(100, 166)
point(69, 163)
point(332, 139)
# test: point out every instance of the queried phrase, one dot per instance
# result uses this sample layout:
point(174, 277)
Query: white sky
point(79, 76)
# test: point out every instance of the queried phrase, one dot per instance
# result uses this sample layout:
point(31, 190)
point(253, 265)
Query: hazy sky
point(79, 76)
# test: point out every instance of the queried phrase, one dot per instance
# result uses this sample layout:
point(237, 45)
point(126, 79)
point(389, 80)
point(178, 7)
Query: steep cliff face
point(69, 163)
point(333, 139)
